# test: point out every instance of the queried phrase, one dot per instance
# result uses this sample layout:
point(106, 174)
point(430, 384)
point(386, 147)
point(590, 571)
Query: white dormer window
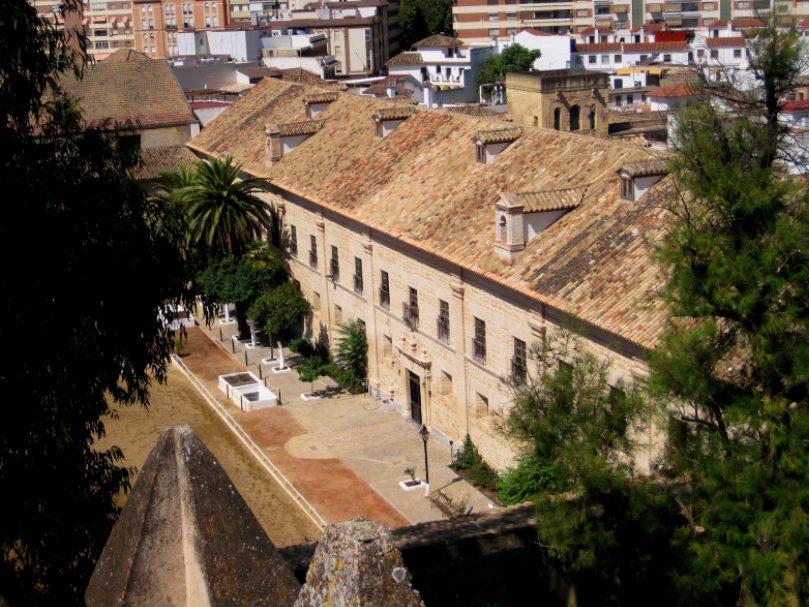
point(489, 144)
point(389, 118)
point(640, 175)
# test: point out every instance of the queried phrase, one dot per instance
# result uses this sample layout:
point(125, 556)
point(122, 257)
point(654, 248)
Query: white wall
point(555, 49)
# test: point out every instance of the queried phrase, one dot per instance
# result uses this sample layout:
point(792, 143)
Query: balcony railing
point(313, 259)
point(410, 316)
point(442, 328)
point(358, 284)
point(479, 351)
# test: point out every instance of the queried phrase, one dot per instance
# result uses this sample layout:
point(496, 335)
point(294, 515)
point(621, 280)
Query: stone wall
point(459, 395)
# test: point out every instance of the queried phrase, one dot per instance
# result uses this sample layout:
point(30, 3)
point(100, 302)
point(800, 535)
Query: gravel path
point(136, 430)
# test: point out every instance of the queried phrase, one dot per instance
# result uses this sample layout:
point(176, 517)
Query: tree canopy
point(514, 58)
point(81, 290)
point(280, 309)
point(734, 363)
point(421, 18)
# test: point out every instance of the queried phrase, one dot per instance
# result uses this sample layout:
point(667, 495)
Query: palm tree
point(173, 197)
point(223, 213)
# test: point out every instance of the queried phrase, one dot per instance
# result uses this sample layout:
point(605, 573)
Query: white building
point(554, 48)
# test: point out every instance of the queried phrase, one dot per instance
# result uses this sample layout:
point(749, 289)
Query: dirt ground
point(136, 430)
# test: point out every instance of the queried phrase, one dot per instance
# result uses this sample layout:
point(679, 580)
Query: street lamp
point(425, 436)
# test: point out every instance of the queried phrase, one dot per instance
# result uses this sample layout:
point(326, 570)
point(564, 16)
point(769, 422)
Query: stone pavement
point(342, 453)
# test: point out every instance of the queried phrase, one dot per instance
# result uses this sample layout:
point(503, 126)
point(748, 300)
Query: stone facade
point(459, 393)
point(564, 100)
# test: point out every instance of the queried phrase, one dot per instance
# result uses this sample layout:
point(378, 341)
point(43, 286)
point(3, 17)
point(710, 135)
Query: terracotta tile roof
point(130, 87)
point(303, 76)
point(380, 89)
point(725, 42)
point(320, 98)
point(799, 105)
point(260, 72)
point(479, 110)
point(422, 185)
point(289, 129)
point(154, 161)
point(504, 135)
point(404, 59)
point(681, 89)
point(393, 113)
point(645, 168)
point(633, 47)
point(551, 200)
point(438, 41)
point(740, 23)
point(534, 31)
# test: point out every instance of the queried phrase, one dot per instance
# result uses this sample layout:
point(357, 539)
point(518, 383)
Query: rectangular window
point(737, 53)
point(644, 58)
point(384, 291)
point(493, 17)
point(480, 153)
point(293, 241)
point(316, 301)
point(387, 345)
point(445, 383)
point(494, 32)
point(479, 342)
point(442, 324)
point(334, 264)
point(714, 54)
point(618, 58)
point(627, 189)
point(358, 276)
point(667, 58)
point(591, 59)
point(519, 363)
point(410, 310)
point(605, 58)
point(481, 405)
point(313, 251)
point(338, 314)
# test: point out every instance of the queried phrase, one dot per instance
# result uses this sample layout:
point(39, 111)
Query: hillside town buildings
point(458, 240)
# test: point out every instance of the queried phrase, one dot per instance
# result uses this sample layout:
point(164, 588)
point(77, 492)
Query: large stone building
point(563, 100)
point(458, 240)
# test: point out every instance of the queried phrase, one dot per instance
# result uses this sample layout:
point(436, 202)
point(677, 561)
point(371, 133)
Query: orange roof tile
point(734, 42)
point(503, 135)
point(681, 89)
point(128, 86)
point(551, 200)
point(438, 41)
point(422, 185)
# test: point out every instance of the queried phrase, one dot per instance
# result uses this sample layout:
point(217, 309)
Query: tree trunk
point(241, 320)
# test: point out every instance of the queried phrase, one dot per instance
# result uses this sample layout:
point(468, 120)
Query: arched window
point(502, 229)
point(557, 118)
point(574, 117)
point(592, 117)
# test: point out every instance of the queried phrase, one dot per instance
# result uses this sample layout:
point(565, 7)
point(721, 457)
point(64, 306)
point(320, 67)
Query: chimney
point(272, 138)
point(508, 217)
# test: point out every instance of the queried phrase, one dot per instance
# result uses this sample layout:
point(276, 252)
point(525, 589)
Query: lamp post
point(425, 436)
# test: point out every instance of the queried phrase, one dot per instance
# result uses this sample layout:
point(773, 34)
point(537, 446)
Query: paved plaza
point(343, 453)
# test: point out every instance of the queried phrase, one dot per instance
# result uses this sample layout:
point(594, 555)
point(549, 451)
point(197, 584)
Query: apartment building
point(157, 22)
point(458, 240)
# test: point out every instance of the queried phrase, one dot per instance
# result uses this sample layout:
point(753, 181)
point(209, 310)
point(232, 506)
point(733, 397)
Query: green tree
point(223, 213)
point(310, 370)
point(240, 280)
point(421, 18)
point(514, 58)
point(351, 353)
point(84, 281)
point(734, 362)
point(607, 532)
point(279, 310)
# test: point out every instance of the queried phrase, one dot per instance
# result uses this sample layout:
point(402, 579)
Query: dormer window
point(388, 119)
point(317, 102)
point(281, 139)
point(521, 216)
point(627, 188)
point(489, 144)
point(640, 175)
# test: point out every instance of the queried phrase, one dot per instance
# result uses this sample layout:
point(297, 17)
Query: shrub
point(302, 346)
point(478, 471)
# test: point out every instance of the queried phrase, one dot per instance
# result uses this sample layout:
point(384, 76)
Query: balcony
point(410, 316)
point(479, 351)
point(358, 284)
point(442, 328)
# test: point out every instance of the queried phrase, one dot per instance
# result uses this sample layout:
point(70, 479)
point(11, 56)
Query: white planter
point(247, 391)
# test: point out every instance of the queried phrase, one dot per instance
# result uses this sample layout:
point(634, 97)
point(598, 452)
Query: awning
point(85, 21)
point(627, 71)
point(112, 20)
point(125, 20)
point(99, 19)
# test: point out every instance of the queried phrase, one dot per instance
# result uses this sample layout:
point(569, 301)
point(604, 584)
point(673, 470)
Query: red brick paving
point(334, 490)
